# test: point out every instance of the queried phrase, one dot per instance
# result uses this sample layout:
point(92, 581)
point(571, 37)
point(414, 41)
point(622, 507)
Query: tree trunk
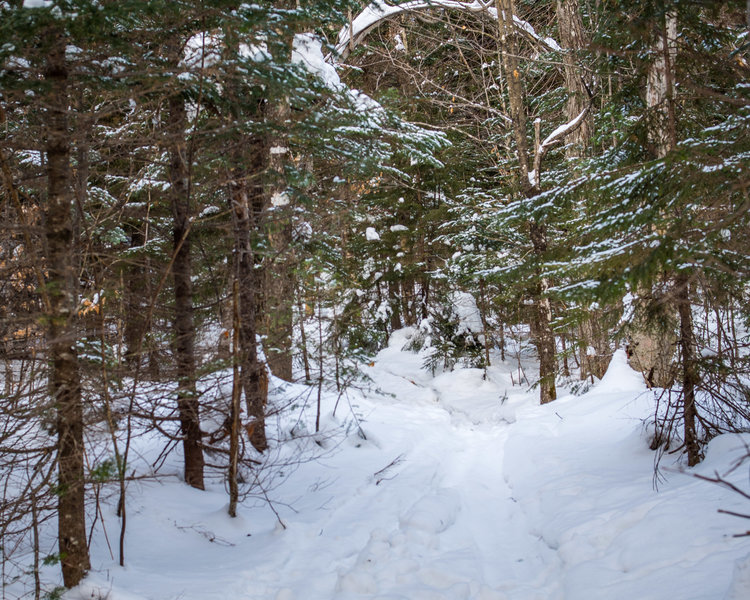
point(573, 40)
point(134, 278)
point(483, 310)
point(542, 331)
point(660, 89)
point(509, 48)
point(596, 353)
point(234, 409)
point(394, 301)
point(247, 212)
point(248, 203)
point(184, 327)
point(64, 373)
point(690, 376)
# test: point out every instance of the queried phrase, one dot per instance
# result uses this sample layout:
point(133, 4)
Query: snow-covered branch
point(378, 11)
point(554, 137)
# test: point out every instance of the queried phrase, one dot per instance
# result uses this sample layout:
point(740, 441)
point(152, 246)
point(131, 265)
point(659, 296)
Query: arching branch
point(378, 11)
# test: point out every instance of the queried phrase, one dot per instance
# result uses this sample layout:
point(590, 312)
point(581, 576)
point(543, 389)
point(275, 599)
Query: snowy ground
point(464, 488)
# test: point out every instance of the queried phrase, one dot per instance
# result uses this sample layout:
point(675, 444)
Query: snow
point(201, 51)
point(465, 309)
point(371, 235)
point(255, 52)
point(279, 199)
point(307, 51)
point(454, 486)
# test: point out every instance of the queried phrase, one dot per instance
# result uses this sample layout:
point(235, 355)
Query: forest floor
point(449, 487)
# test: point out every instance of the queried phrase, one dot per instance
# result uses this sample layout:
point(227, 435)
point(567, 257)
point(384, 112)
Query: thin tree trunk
point(134, 279)
point(303, 337)
point(234, 412)
point(566, 366)
point(64, 374)
point(574, 39)
point(690, 376)
point(485, 327)
point(509, 48)
point(395, 304)
point(320, 362)
point(279, 284)
point(502, 338)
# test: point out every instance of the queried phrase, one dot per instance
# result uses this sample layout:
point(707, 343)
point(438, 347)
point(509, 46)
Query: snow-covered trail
point(462, 488)
point(438, 523)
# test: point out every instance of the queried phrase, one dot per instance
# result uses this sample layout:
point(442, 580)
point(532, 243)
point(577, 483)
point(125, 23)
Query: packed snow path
point(462, 488)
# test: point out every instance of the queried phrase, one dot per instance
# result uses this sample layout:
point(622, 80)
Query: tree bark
point(394, 302)
point(573, 39)
point(660, 88)
point(509, 48)
point(593, 336)
point(135, 292)
point(248, 159)
point(64, 373)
